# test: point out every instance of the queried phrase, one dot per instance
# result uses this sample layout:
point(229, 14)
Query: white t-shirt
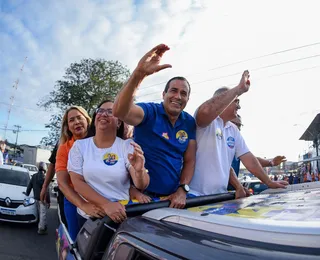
point(105, 170)
point(217, 144)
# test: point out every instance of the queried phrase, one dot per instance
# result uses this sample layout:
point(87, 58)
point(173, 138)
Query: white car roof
point(15, 168)
point(287, 218)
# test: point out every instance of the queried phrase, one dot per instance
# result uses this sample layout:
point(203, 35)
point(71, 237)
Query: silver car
point(15, 206)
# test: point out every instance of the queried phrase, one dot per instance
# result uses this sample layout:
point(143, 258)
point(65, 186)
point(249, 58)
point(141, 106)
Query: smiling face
point(104, 119)
point(176, 97)
point(77, 124)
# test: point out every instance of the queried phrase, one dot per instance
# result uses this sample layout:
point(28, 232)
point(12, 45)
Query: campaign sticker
point(110, 159)
point(182, 136)
point(230, 142)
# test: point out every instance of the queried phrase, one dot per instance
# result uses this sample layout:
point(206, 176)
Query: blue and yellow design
point(110, 159)
point(182, 136)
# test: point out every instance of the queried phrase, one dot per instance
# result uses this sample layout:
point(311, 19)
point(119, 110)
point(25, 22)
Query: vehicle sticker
point(296, 206)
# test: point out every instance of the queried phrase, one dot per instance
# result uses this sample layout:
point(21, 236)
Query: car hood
point(13, 192)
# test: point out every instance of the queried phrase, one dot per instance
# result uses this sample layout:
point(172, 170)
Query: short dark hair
point(221, 90)
point(177, 78)
point(92, 127)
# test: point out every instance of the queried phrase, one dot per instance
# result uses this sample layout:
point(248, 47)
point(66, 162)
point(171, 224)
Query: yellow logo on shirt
point(182, 136)
point(165, 135)
point(110, 159)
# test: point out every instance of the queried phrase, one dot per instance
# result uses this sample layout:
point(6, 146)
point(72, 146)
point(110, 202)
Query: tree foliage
point(85, 84)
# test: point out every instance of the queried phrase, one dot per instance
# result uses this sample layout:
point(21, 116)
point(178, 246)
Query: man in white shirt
point(219, 140)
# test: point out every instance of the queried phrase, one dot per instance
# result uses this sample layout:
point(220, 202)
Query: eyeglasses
point(101, 111)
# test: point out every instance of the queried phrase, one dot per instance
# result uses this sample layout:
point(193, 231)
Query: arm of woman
point(139, 174)
point(64, 181)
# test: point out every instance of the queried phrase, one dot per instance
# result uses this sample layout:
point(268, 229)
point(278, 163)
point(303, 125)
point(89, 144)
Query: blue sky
point(203, 35)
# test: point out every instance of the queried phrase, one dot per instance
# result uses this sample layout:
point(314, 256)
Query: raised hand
point(137, 158)
point(150, 62)
point(244, 83)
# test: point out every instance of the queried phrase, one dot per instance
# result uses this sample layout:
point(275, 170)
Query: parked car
point(266, 226)
point(31, 168)
point(255, 186)
point(14, 205)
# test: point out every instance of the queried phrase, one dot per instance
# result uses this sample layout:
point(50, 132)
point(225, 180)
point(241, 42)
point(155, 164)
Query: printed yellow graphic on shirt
point(165, 135)
point(182, 136)
point(110, 159)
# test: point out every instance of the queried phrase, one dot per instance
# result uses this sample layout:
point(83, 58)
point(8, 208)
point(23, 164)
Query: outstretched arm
point(270, 163)
point(124, 108)
point(213, 107)
point(253, 166)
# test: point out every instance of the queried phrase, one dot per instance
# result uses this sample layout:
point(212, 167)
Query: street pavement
point(21, 241)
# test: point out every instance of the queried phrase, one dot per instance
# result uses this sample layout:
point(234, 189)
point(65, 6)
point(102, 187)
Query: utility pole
point(16, 132)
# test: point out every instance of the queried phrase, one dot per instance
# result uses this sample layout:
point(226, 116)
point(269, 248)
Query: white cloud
point(202, 35)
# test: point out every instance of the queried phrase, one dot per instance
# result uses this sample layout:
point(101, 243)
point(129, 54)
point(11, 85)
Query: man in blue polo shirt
point(164, 131)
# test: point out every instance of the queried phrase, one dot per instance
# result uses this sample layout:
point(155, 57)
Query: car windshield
point(30, 168)
point(13, 177)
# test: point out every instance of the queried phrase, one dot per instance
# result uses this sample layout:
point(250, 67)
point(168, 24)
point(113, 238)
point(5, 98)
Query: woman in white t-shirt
point(101, 166)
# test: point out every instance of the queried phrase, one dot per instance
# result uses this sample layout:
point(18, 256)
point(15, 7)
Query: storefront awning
point(313, 130)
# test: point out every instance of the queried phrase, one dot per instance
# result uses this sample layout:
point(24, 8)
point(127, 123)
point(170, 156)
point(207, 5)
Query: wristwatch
point(185, 187)
point(271, 163)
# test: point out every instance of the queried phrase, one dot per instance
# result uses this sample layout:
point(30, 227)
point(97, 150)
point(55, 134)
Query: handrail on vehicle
point(96, 241)
point(134, 210)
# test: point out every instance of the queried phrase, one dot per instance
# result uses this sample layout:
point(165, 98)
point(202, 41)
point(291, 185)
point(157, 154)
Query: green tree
point(85, 84)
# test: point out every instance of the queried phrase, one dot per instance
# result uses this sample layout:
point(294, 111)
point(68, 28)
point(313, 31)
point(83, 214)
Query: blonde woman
point(75, 124)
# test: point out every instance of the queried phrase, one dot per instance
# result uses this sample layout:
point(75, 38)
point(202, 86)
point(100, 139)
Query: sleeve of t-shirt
point(61, 159)
point(149, 112)
point(193, 128)
point(52, 158)
point(241, 147)
point(128, 149)
point(75, 161)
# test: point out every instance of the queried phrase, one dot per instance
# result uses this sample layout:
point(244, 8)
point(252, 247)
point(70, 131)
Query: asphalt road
point(21, 241)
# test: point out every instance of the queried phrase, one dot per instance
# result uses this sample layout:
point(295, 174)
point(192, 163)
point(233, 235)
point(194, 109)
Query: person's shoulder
point(148, 104)
point(188, 117)
point(83, 142)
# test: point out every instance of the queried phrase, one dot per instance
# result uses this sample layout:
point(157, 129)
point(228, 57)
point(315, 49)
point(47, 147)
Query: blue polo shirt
point(164, 146)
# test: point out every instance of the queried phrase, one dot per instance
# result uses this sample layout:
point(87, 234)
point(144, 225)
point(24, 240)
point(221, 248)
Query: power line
point(272, 76)
point(28, 108)
point(27, 130)
point(242, 61)
point(239, 73)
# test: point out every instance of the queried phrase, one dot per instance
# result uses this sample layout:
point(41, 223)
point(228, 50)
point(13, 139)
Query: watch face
point(187, 188)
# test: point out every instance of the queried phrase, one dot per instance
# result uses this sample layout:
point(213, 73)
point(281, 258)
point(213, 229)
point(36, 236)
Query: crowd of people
point(171, 154)
point(304, 174)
